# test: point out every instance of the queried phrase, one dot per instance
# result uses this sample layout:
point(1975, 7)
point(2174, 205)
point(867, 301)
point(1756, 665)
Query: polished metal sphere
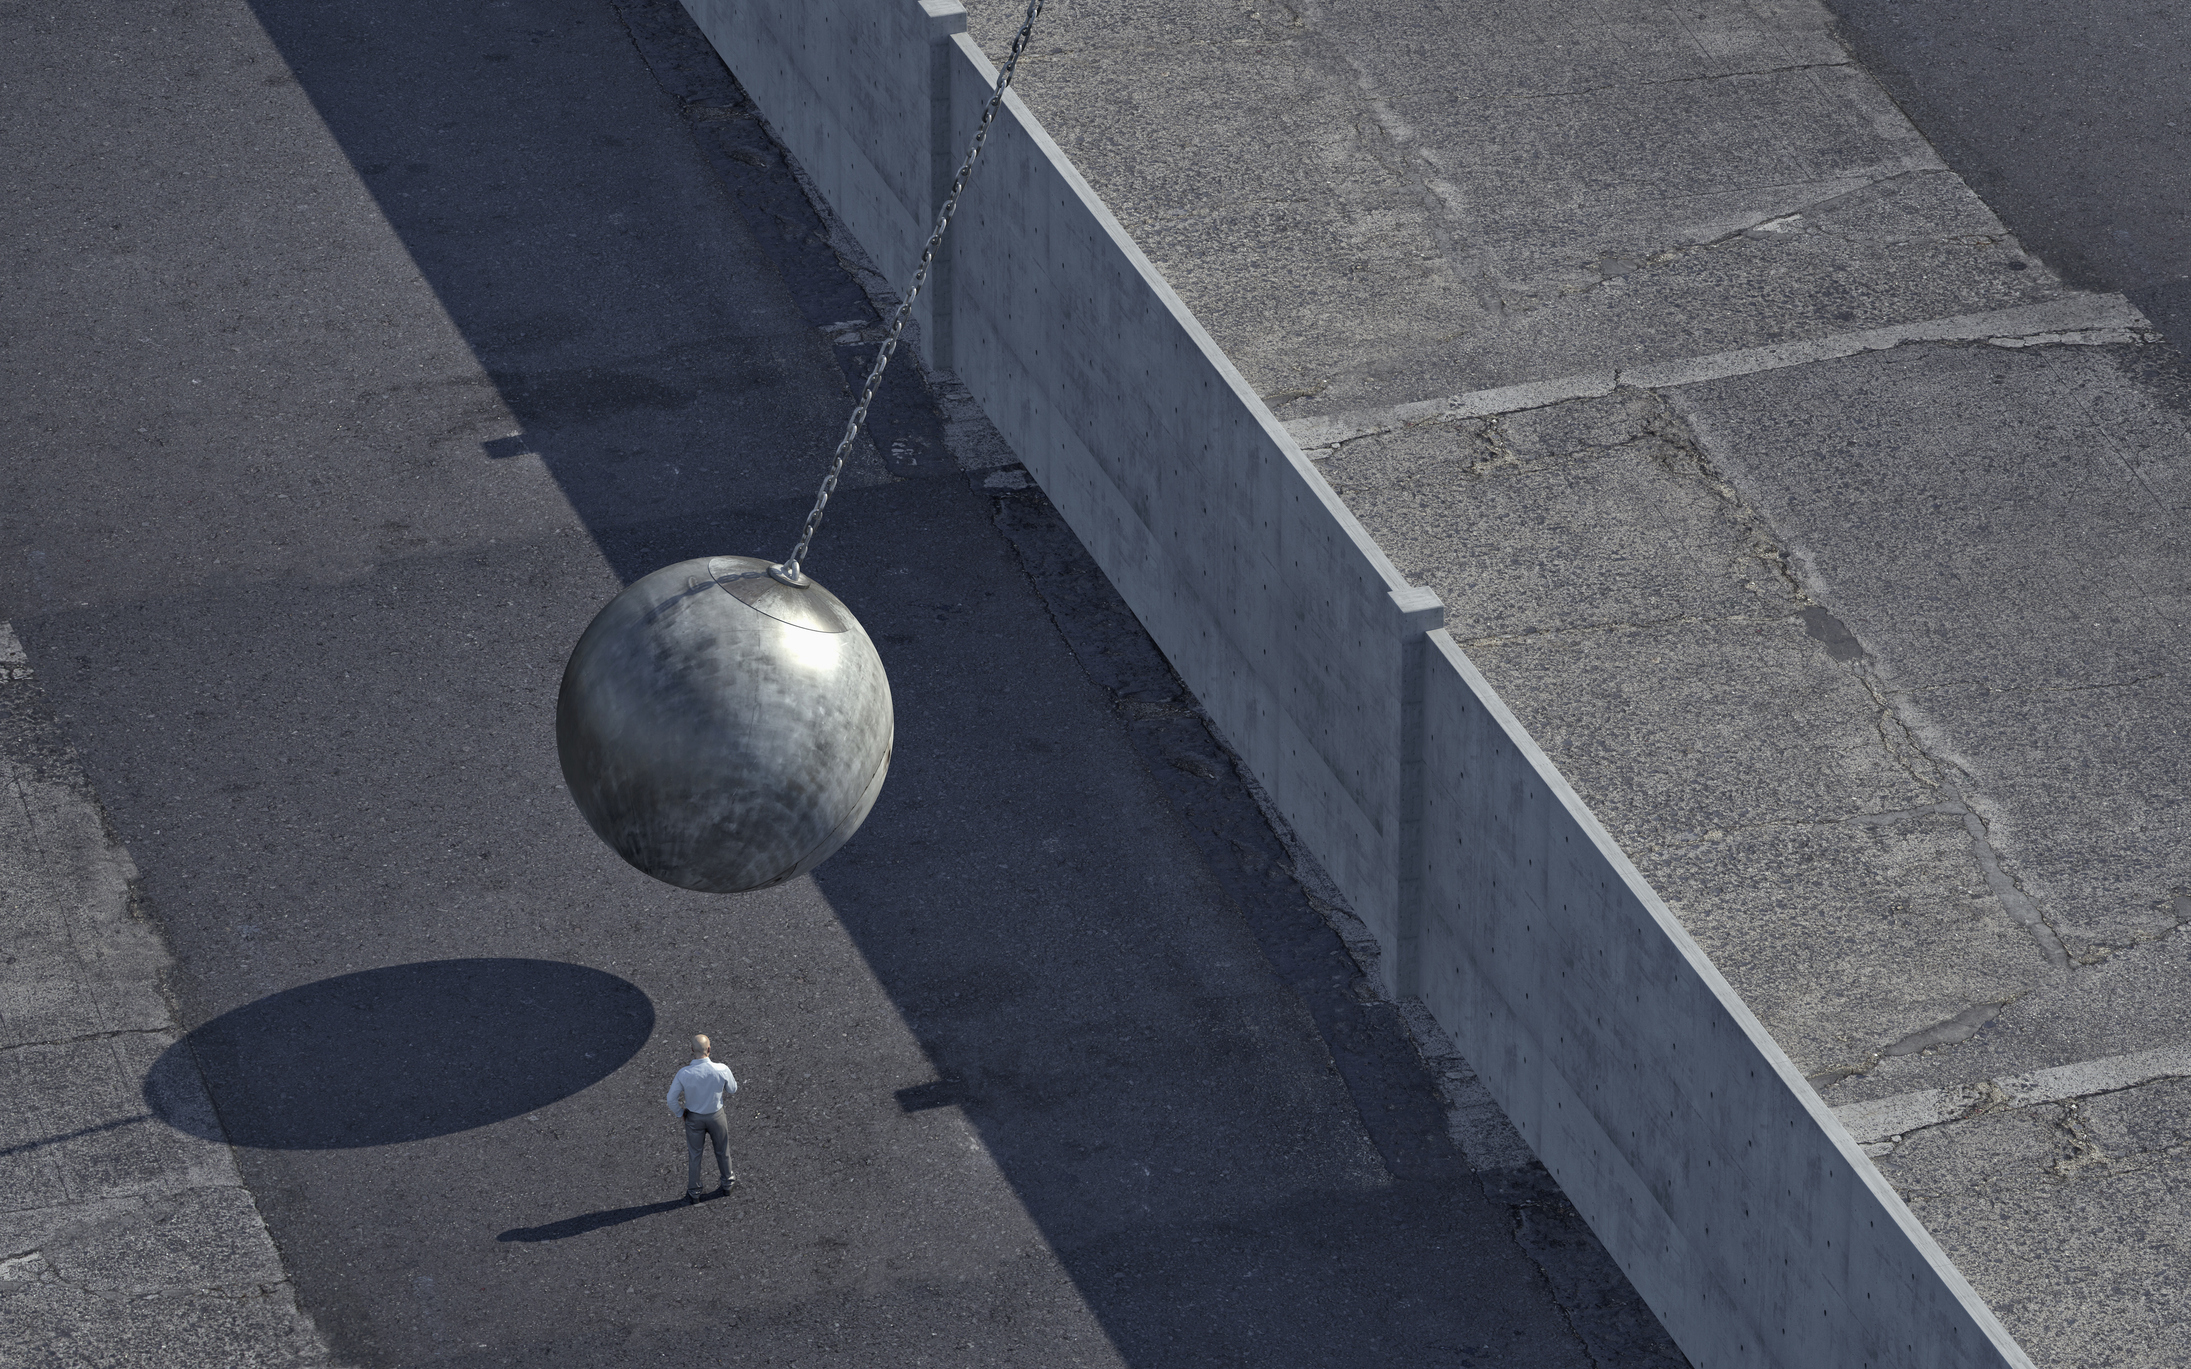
point(723, 730)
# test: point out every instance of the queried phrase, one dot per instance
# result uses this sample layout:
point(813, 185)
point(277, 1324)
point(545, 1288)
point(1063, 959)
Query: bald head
point(701, 1045)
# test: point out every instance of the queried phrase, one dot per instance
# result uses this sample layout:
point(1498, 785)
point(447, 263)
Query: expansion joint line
point(1892, 1119)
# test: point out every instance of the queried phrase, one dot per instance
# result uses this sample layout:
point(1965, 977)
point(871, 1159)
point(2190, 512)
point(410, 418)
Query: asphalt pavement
point(355, 357)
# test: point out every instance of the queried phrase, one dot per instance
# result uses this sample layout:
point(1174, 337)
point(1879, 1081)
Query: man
point(697, 1095)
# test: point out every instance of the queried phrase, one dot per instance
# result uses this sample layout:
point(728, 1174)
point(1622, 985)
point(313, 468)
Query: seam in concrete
point(1888, 1120)
point(1677, 81)
point(1782, 221)
point(2086, 320)
point(2079, 320)
point(88, 1036)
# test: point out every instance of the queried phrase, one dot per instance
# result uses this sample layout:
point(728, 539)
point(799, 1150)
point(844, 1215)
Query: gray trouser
point(699, 1131)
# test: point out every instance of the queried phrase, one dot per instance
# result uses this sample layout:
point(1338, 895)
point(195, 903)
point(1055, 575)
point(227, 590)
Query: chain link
point(789, 571)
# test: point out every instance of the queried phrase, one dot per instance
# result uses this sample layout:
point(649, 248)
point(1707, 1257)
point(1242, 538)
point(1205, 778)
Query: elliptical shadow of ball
point(399, 1054)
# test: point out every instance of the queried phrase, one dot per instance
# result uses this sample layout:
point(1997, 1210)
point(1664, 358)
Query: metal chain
point(789, 571)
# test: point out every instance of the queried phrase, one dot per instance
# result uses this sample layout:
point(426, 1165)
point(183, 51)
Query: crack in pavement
point(1896, 737)
point(1774, 225)
point(1899, 734)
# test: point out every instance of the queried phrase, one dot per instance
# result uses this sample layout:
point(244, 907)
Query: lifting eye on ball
point(721, 730)
point(724, 723)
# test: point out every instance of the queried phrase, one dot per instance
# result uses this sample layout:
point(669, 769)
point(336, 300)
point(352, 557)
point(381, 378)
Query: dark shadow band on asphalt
point(400, 1053)
point(497, 188)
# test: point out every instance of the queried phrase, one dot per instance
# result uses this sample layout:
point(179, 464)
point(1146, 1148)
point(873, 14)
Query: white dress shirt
point(699, 1087)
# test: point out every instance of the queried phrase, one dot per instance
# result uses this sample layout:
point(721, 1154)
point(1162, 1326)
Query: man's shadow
point(595, 1221)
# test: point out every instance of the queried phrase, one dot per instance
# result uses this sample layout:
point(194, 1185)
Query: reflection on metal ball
point(722, 730)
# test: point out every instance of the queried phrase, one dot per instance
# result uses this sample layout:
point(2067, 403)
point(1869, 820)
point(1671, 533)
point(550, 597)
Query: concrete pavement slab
point(2086, 787)
point(1543, 477)
point(2070, 1215)
point(1600, 569)
point(1851, 937)
point(123, 1241)
point(1377, 207)
point(1903, 748)
point(2071, 526)
point(2018, 481)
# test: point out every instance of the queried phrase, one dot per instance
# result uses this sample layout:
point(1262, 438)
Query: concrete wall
point(1240, 561)
point(1736, 1204)
point(1739, 1207)
point(850, 88)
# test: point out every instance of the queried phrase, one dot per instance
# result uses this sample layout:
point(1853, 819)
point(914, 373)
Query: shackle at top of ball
point(725, 724)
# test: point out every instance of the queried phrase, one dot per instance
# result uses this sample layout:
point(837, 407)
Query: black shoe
point(724, 1191)
point(691, 1198)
